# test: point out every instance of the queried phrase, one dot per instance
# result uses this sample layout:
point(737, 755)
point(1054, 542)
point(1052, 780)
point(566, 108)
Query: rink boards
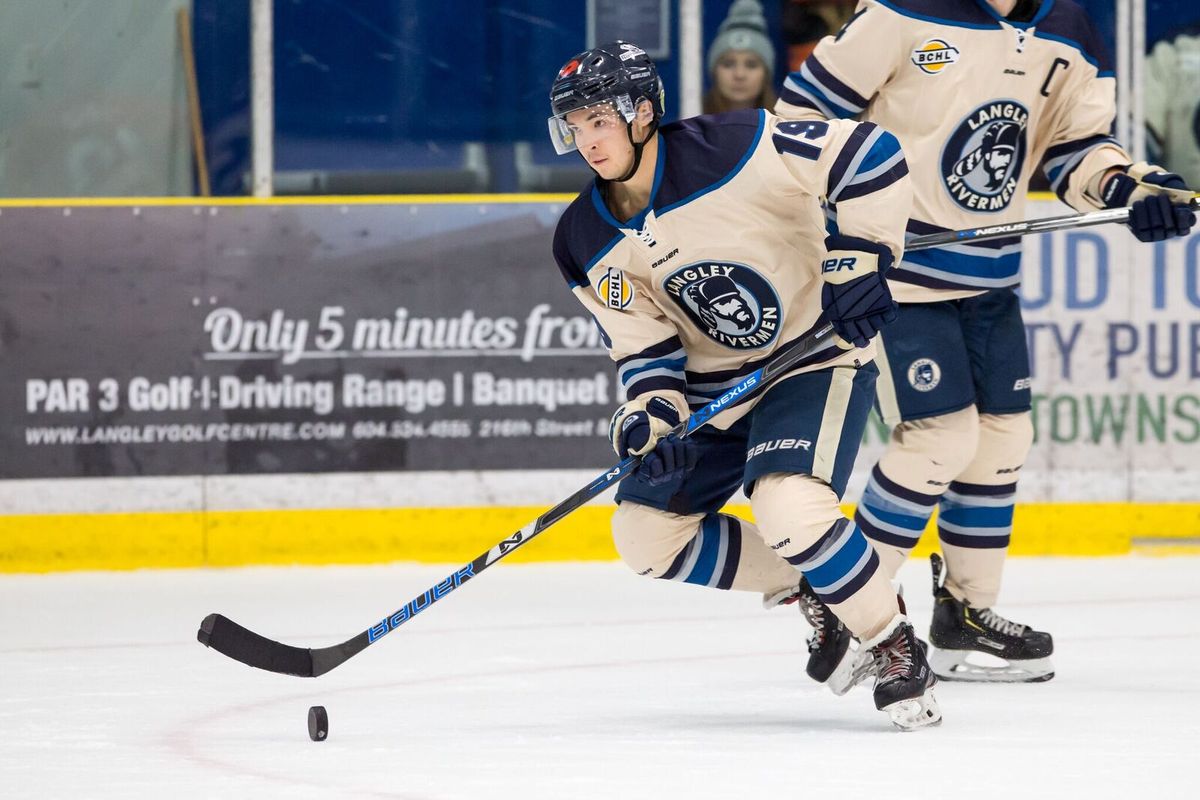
point(53, 542)
point(355, 380)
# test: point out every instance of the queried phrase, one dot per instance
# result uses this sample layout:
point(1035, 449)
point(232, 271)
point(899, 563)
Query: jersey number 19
point(788, 135)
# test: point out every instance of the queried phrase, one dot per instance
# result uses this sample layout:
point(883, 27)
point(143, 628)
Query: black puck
point(318, 723)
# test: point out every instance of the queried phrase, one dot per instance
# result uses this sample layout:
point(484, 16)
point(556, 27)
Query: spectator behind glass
point(740, 61)
point(1172, 102)
point(806, 21)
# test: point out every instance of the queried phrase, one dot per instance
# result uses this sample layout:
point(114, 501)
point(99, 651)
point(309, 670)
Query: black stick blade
point(226, 636)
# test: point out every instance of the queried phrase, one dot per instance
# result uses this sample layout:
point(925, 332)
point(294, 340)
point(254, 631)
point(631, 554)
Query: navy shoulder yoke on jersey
point(960, 13)
point(1070, 24)
point(695, 156)
point(1058, 20)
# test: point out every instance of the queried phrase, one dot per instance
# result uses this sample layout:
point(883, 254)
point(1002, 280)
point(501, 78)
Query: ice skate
point(858, 665)
point(977, 644)
point(904, 681)
point(829, 644)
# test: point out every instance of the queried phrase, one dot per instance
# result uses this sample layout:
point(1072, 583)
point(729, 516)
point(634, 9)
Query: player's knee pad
point(923, 459)
point(714, 550)
point(793, 511)
point(1004, 444)
point(648, 540)
point(924, 455)
point(976, 512)
point(800, 519)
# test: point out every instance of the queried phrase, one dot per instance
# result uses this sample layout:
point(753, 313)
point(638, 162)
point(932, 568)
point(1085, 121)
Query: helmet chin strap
point(637, 149)
point(637, 152)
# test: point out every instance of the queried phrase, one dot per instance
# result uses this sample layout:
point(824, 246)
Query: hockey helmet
point(619, 74)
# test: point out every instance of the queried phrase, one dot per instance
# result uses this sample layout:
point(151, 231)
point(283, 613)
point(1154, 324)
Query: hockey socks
point(842, 569)
point(975, 525)
point(712, 557)
point(893, 517)
point(724, 552)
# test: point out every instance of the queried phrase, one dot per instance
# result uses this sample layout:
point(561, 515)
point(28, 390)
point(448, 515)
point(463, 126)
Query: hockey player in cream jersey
point(700, 250)
point(978, 92)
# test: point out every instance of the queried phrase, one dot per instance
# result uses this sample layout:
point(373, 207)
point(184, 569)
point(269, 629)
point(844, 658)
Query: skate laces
point(815, 614)
point(893, 658)
point(999, 623)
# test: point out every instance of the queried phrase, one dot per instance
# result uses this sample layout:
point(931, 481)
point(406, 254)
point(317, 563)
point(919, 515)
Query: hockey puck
point(318, 723)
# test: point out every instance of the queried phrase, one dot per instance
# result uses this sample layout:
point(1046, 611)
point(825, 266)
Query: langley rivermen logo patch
point(934, 55)
point(924, 374)
point(982, 160)
point(731, 303)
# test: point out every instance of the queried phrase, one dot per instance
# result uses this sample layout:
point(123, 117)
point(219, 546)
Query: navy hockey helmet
point(618, 73)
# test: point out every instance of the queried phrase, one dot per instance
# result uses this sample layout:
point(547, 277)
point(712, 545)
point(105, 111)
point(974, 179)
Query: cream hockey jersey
point(724, 266)
point(977, 102)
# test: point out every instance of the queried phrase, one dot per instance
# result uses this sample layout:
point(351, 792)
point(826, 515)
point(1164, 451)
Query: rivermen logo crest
point(731, 303)
point(934, 55)
point(924, 374)
point(982, 160)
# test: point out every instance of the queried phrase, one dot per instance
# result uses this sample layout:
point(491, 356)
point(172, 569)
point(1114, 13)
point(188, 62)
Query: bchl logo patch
point(982, 160)
point(924, 374)
point(615, 290)
point(934, 55)
point(731, 303)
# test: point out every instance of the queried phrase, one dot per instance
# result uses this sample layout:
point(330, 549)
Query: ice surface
point(575, 681)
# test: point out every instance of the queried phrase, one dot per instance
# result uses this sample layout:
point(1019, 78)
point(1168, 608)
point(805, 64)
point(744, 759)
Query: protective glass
point(582, 126)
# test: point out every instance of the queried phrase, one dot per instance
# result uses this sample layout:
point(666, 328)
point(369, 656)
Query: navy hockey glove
point(1159, 202)
point(642, 427)
point(671, 460)
point(855, 297)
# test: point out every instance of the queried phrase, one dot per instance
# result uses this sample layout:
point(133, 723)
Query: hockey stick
point(1026, 228)
point(241, 644)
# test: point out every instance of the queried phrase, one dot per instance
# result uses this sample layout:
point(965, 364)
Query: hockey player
point(978, 92)
point(700, 250)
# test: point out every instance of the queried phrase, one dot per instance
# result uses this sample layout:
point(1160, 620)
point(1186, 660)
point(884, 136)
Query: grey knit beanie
point(744, 28)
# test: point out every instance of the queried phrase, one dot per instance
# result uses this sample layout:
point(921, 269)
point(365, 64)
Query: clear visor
point(582, 126)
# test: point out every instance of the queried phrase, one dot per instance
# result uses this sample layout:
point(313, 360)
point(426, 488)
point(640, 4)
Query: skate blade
point(919, 712)
point(952, 665)
point(855, 667)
